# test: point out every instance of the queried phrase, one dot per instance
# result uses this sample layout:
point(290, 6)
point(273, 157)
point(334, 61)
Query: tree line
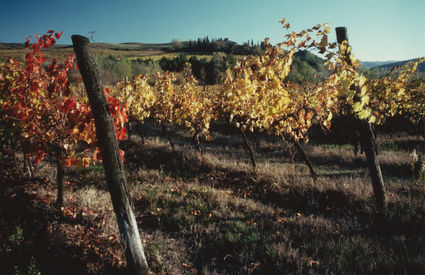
point(306, 67)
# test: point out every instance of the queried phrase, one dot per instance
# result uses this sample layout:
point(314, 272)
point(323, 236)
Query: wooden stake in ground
point(368, 143)
point(114, 169)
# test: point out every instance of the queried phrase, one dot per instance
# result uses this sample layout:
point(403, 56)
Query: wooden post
point(369, 145)
point(341, 34)
point(113, 166)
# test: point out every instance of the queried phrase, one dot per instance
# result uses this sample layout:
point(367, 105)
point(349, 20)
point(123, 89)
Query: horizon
point(398, 25)
point(70, 45)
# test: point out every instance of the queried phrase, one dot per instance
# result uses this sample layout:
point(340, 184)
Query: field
point(209, 213)
point(131, 51)
point(60, 52)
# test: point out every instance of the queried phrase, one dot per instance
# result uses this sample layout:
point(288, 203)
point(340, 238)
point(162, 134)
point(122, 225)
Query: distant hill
point(372, 64)
point(21, 46)
point(12, 46)
point(389, 66)
point(134, 46)
point(307, 66)
point(131, 46)
point(382, 68)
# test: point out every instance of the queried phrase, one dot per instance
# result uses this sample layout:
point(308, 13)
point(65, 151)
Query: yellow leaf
point(329, 116)
point(363, 90)
point(362, 80)
point(357, 107)
point(327, 30)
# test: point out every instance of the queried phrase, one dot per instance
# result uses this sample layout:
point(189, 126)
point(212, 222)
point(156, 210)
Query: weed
point(389, 146)
point(153, 255)
point(33, 268)
point(14, 246)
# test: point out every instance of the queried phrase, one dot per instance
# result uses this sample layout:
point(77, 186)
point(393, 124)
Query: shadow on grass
point(31, 238)
point(407, 144)
point(310, 199)
point(219, 243)
point(236, 239)
point(227, 136)
point(402, 170)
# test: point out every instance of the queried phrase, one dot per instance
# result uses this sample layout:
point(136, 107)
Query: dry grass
point(208, 213)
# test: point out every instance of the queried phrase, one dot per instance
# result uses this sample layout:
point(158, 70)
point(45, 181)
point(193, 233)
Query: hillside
point(421, 67)
point(382, 68)
point(213, 57)
point(307, 67)
point(373, 64)
point(100, 45)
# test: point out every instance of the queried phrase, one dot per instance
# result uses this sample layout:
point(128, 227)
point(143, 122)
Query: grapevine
point(46, 118)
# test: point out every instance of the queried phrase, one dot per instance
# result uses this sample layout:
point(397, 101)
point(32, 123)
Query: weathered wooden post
point(113, 166)
point(368, 142)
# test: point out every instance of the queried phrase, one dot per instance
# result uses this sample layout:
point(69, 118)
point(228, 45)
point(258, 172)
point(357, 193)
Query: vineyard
point(255, 175)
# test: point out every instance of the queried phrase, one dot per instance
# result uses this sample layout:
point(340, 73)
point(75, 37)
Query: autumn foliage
point(42, 117)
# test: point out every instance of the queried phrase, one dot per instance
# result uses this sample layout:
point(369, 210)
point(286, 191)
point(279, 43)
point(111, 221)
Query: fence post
point(368, 142)
point(113, 166)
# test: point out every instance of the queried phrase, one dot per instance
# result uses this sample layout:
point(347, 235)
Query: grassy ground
point(208, 213)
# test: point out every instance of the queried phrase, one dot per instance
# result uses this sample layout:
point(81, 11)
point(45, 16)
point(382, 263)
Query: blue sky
point(378, 29)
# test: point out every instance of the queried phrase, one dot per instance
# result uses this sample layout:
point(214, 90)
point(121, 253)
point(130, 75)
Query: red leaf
point(122, 153)
point(121, 134)
point(27, 42)
point(58, 34)
point(52, 41)
point(37, 160)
